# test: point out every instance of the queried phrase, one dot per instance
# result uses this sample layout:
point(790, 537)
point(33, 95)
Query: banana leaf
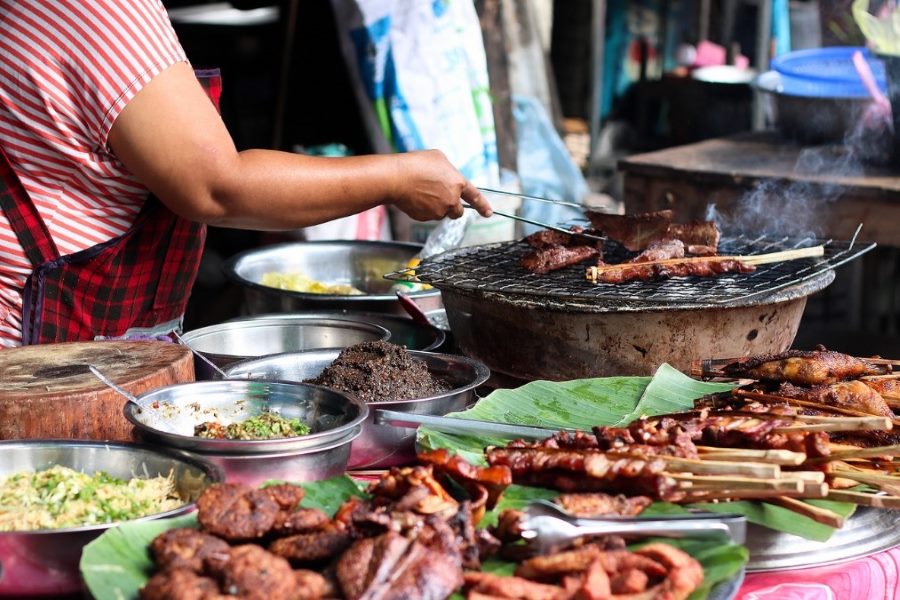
point(583, 403)
point(117, 564)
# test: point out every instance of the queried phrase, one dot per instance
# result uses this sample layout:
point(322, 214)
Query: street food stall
point(611, 407)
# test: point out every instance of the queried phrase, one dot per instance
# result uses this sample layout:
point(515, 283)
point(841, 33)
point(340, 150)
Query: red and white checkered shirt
point(67, 69)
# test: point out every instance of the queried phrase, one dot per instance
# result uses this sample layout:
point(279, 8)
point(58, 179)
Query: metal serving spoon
point(547, 525)
point(161, 420)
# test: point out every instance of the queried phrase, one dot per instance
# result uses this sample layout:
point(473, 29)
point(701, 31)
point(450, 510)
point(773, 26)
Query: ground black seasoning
point(380, 371)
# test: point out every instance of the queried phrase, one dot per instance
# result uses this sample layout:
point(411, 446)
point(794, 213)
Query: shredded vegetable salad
point(60, 497)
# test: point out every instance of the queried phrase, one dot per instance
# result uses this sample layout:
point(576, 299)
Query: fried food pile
point(409, 539)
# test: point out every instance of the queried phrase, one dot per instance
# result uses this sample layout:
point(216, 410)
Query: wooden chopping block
point(47, 391)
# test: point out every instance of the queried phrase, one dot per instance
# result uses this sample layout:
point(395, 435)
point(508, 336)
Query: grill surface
point(495, 269)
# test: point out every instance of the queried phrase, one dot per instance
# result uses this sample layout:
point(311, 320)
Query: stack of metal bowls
point(45, 562)
point(379, 445)
point(361, 264)
point(234, 341)
point(335, 420)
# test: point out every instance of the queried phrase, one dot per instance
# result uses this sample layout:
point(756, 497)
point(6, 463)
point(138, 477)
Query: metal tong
point(547, 526)
point(462, 426)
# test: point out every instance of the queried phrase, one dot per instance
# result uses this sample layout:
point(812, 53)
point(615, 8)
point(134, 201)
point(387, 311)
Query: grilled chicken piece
point(845, 394)
point(800, 367)
point(888, 388)
point(634, 232)
point(556, 257)
point(488, 585)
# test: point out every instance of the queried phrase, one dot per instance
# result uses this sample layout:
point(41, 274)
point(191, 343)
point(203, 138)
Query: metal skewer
point(538, 198)
point(588, 236)
point(462, 426)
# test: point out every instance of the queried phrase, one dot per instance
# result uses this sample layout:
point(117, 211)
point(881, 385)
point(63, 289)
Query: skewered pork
point(801, 367)
point(584, 471)
point(604, 273)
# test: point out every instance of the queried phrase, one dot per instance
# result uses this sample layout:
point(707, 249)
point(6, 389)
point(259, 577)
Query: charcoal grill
point(560, 326)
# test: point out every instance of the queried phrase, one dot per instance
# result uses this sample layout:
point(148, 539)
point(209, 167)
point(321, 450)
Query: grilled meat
point(801, 367)
point(634, 232)
point(186, 548)
point(602, 505)
point(493, 479)
point(663, 249)
point(696, 233)
point(316, 547)
point(854, 394)
point(394, 567)
point(584, 471)
point(255, 574)
point(236, 512)
point(700, 250)
point(181, 584)
point(646, 272)
point(888, 388)
point(552, 258)
point(548, 238)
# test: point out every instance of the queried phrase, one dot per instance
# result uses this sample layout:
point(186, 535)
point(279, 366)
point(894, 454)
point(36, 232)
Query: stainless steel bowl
point(45, 562)
point(231, 342)
point(379, 445)
point(335, 420)
point(361, 264)
point(404, 331)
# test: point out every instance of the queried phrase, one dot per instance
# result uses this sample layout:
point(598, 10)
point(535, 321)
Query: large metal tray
point(868, 531)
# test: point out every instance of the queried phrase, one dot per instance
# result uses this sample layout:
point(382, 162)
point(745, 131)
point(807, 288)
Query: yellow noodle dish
point(60, 497)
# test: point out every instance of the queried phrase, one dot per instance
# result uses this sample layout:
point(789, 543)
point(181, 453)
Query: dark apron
point(141, 279)
point(137, 283)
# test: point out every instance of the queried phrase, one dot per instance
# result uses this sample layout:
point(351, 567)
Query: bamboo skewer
point(858, 453)
point(778, 457)
point(885, 483)
point(874, 500)
point(705, 483)
point(711, 467)
point(811, 491)
point(816, 513)
point(774, 398)
point(846, 424)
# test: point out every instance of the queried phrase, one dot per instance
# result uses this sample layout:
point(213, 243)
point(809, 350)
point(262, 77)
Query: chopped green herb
point(265, 426)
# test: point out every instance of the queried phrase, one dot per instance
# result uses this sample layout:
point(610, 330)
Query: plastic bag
point(546, 168)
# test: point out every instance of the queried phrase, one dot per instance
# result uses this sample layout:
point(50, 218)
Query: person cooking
point(114, 160)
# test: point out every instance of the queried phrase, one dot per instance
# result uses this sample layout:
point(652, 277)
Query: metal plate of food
point(868, 531)
point(404, 331)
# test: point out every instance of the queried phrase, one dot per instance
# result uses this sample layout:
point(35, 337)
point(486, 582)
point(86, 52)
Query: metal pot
point(234, 341)
point(45, 562)
point(361, 264)
point(404, 331)
point(335, 419)
point(379, 446)
point(528, 339)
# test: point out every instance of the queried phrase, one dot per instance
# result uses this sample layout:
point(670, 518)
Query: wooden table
point(724, 171)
